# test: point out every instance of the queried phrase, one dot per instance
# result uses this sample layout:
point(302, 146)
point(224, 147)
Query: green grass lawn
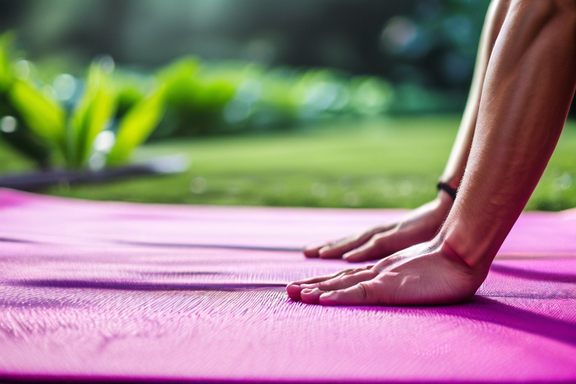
point(386, 162)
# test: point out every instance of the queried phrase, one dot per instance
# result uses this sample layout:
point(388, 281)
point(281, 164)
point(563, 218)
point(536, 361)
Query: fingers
point(355, 295)
point(336, 249)
point(347, 280)
point(293, 289)
point(318, 279)
point(371, 292)
point(297, 290)
point(311, 295)
point(312, 250)
point(379, 246)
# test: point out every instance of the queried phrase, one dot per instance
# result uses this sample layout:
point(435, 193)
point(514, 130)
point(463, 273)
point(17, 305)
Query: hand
point(424, 274)
point(419, 226)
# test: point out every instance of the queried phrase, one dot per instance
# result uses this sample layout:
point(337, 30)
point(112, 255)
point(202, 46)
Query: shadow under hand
point(492, 311)
point(485, 309)
point(533, 275)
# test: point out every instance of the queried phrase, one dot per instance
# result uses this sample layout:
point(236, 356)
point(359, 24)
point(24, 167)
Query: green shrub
point(42, 121)
point(101, 120)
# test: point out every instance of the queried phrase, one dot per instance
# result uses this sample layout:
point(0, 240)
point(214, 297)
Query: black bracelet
point(447, 188)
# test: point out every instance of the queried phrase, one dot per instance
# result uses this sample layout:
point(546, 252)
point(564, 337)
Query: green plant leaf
point(6, 73)
point(182, 86)
point(91, 116)
point(185, 67)
point(45, 117)
point(136, 126)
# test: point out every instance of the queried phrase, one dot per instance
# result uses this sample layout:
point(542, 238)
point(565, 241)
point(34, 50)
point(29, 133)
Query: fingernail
point(311, 247)
point(304, 286)
point(348, 256)
point(307, 291)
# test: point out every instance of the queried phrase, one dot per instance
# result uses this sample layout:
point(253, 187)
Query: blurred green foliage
point(381, 162)
point(136, 125)
point(66, 119)
point(193, 101)
point(207, 97)
point(99, 121)
point(90, 116)
point(13, 128)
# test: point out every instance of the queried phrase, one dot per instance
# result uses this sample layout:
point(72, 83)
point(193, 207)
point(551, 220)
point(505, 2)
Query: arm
point(529, 84)
point(423, 223)
point(528, 89)
point(454, 170)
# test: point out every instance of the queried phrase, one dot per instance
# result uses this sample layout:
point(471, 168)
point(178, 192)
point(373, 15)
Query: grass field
point(386, 162)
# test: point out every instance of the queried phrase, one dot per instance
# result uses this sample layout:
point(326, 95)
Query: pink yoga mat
point(116, 291)
point(69, 221)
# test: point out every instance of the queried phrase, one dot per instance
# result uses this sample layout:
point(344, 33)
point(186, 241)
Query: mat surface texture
point(125, 291)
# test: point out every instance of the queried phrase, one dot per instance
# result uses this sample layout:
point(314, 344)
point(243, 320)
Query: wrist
point(476, 272)
point(448, 188)
point(462, 238)
point(445, 200)
point(442, 205)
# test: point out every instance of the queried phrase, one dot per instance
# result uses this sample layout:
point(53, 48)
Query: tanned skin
point(523, 85)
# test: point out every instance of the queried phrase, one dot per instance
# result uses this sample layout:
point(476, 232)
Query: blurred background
point(431, 43)
point(329, 103)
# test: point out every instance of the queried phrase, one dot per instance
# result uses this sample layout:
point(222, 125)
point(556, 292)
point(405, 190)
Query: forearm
point(525, 100)
point(460, 150)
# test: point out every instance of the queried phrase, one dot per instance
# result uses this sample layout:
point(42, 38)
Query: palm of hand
point(425, 274)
